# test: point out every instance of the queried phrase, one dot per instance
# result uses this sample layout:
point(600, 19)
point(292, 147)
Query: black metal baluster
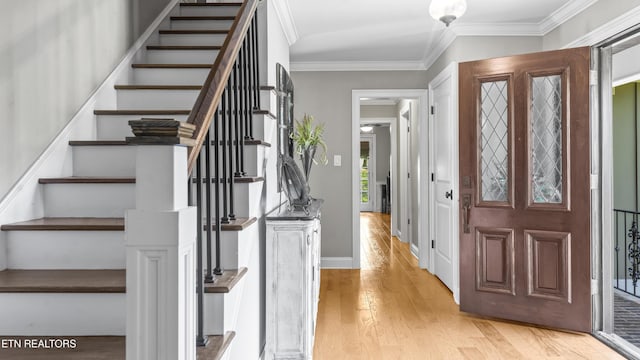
point(231, 215)
point(236, 115)
point(257, 62)
point(617, 249)
point(208, 278)
point(625, 254)
point(216, 156)
point(223, 180)
point(244, 118)
point(201, 339)
point(249, 71)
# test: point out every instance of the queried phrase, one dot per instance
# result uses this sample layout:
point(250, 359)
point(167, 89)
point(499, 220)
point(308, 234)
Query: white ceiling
point(400, 34)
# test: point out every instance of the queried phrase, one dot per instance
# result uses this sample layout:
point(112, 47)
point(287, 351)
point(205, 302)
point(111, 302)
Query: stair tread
point(158, 87)
point(264, 112)
point(216, 346)
point(87, 347)
point(257, 143)
point(171, 66)
point(212, 4)
point(97, 142)
point(68, 224)
point(183, 47)
point(224, 283)
point(189, 18)
point(193, 32)
point(238, 224)
point(141, 112)
point(88, 180)
point(62, 281)
point(247, 179)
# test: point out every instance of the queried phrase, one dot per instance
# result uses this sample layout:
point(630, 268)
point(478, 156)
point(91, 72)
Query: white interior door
point(367, 172)
point(443, 180)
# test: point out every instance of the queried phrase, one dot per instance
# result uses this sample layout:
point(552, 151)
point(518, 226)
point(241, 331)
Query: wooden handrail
point(214, 86)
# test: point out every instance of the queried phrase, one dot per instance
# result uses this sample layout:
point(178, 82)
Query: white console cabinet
point(292, 282)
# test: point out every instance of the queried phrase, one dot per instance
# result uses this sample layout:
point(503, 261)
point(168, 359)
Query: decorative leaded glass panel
point(494, 141)
point(546, 139)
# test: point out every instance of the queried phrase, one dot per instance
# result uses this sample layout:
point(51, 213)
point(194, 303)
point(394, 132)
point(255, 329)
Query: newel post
point(160, 237)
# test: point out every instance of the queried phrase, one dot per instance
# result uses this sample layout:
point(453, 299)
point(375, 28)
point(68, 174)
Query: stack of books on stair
point(161, 131)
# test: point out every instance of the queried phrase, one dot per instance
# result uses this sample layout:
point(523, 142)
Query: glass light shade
point(447, 10)
point(366, 128)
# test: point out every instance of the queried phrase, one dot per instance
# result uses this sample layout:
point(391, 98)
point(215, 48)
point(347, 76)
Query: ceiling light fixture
point(447, 10)
point(366, 128)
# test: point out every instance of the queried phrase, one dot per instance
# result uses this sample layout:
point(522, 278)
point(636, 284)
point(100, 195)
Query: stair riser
point(181, 56)
point(62, 250)
point(116, 127)
point(209, 11)
point(144, 76)
point(219, 311)
point(246, 199)
point(192, 39)
point(264, 127)
point(88, 200)
point(235, 247)
point(114, 161)
point(46, 314)
point(156, 99)
point(201, 24)
point(254, 158)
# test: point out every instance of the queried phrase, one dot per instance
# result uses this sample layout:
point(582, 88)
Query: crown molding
point(563, 14)
point(608, 30)
point(283, 12)
point(356, 65)
point(444, 41)
point(496, 29)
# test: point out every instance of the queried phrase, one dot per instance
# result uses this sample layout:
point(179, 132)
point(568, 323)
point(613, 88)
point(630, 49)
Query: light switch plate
point(337, 160)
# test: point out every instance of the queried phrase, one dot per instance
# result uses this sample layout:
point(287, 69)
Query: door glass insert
point(494, 141)
point(546, 139)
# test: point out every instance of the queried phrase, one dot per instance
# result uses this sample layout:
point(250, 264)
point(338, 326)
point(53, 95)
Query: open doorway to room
point(386, 135)
point(626, 194)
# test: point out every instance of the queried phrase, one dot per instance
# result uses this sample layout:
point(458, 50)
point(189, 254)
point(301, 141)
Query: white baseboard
point(414, 251)
point(24, 201)
point(336, 263)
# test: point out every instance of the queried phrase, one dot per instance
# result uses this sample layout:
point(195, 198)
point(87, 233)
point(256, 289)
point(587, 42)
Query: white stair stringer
point(88, 200)
point(62, 314)
point(65, 250)
point(116, 127)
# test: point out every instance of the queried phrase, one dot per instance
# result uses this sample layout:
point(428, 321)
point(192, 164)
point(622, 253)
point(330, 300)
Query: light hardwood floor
point(391, 309)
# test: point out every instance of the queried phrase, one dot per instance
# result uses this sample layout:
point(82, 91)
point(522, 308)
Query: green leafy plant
point(307, 136)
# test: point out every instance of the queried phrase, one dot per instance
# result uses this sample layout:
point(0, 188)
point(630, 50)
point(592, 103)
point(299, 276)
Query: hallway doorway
point(398, 115)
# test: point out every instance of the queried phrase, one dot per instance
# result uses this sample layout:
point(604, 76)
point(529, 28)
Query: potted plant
point(307, 137)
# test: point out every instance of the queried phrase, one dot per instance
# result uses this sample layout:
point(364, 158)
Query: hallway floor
point(391, 309)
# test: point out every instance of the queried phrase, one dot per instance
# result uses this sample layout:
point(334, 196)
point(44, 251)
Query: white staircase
point(65, 274)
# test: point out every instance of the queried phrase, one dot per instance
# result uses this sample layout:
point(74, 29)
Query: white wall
point(53, 54)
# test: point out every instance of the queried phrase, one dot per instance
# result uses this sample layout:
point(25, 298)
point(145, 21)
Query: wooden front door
point(525, 188)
